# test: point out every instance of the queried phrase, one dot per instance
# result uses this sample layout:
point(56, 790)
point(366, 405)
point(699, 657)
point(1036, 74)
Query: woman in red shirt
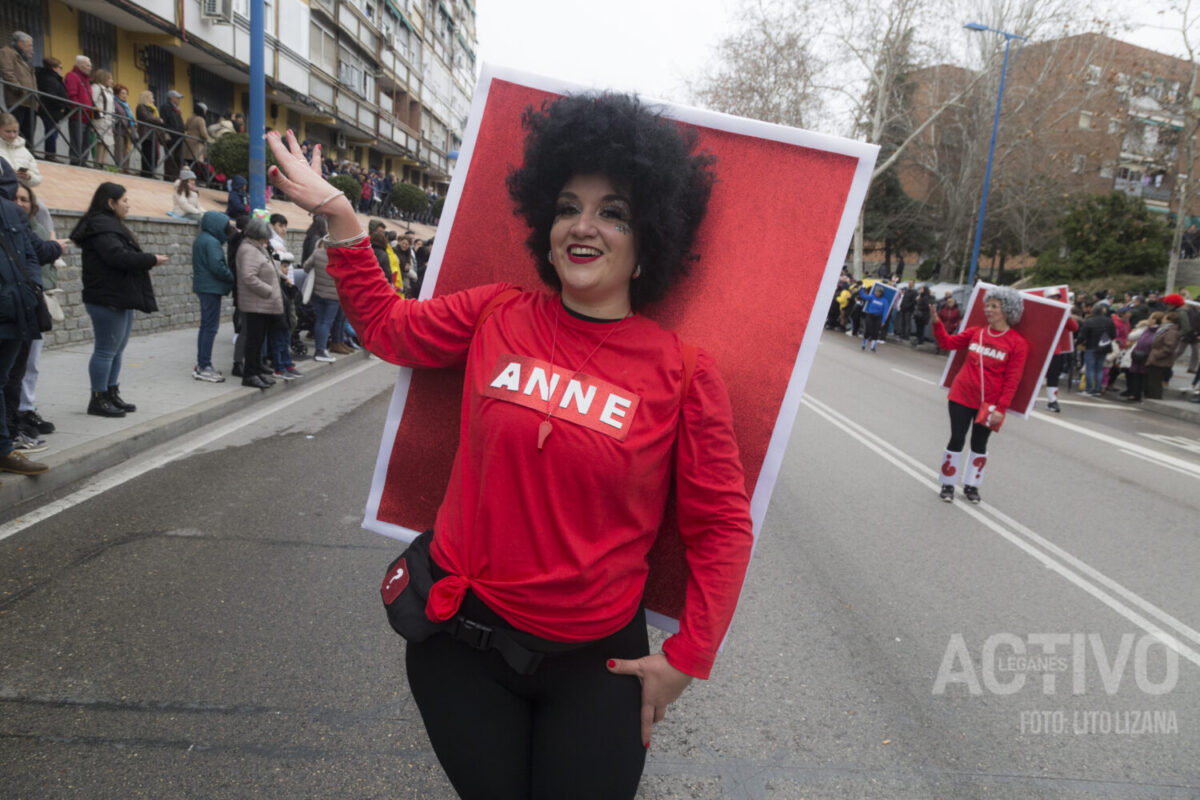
point(579, 418)
point(987, 379)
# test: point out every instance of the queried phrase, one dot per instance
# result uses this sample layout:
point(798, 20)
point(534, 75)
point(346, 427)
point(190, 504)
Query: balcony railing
point(102, 141)
point(1159, 194)
point(1136, 188)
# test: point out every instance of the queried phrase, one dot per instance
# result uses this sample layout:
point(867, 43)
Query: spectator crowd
point(1134, 346)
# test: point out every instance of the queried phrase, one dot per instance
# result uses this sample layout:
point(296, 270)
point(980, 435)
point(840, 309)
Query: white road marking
point(1182, 442)
point(1054, 557)
point(1158, 463)
point(115, 476)
point(1103, 406)
point(1162, 458)
point(915, 377)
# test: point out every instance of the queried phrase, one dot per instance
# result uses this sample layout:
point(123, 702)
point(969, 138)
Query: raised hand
point(301, 181)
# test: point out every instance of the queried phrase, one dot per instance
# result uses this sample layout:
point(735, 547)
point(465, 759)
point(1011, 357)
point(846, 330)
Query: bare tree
point(765, 68)
point(792, 61)
point(797, 62)
point(1046, 89)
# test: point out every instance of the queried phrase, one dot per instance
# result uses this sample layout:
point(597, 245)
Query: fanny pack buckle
point(472, 633)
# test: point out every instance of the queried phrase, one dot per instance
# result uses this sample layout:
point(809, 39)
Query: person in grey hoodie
point(211, 280)
point(260, 299)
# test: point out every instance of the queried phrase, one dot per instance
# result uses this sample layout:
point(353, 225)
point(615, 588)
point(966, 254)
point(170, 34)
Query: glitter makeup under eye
point(622, 228)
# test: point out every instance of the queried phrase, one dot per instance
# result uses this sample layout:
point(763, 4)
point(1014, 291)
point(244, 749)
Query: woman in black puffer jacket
point(116, 281)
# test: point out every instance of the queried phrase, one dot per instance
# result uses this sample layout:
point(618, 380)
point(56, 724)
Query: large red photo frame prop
point(1066, 342)
point(1041, 324)
point(772, 244)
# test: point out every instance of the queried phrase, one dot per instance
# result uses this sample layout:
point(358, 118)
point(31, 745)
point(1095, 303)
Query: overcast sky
point(652, 46)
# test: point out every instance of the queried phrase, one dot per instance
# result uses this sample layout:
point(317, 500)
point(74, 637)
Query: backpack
point(1192, 334)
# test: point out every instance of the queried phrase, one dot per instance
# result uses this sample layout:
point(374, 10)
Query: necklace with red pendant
point(545, 428)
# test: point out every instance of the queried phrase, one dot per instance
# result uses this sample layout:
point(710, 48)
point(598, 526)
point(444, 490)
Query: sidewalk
point(156, 376)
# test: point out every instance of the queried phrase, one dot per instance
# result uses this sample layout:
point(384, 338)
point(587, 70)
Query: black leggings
point(1057, 362)
point(572, 729)
point(254, 329)
point(871, 330)
point(961, 419)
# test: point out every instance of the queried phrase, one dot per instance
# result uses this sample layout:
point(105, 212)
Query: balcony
point(1134, 147)
point(1156, 194)
point(1148, 192)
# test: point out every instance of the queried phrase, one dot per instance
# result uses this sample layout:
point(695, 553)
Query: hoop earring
point(550, 256)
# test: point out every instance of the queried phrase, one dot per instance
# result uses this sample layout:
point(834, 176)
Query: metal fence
point(85, 136)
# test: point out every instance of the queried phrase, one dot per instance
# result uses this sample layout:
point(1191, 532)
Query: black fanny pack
point(406, 586)
point(405, 590)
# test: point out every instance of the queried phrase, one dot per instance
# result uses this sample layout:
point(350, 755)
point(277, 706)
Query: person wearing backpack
point(1096, 335)
point(1189, 327)
point(1142, 339)
point(1162, 355)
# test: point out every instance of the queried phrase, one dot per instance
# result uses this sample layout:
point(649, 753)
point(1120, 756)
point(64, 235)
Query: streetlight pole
point(256, 124)
point(987, 176)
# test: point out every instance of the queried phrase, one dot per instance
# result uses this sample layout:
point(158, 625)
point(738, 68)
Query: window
point(1078, 163)
point(1093, 75)
point(1085, 120)
point(354, 72)
point(1114, 126)
point(293, 26)
point(28, 16)
point(98, 39)
point(322, 49)
point(1106, 169)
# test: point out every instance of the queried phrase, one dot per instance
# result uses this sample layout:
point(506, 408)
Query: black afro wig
point(616, 136)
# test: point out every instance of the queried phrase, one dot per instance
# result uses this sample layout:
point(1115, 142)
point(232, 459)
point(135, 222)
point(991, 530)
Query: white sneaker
point(27, 444)
point(207, 374)
point(323, 355)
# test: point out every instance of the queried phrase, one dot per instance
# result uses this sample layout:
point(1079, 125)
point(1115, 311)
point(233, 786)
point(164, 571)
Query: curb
point(82, 462)
point(1189, 414)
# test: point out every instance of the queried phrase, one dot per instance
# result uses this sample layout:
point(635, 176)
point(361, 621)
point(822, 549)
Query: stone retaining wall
point(177, 305)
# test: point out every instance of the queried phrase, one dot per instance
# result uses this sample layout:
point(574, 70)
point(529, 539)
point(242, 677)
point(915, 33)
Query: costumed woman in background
point(874, 311)
point(1058, 361)
point(988, 380)
point(553, 503)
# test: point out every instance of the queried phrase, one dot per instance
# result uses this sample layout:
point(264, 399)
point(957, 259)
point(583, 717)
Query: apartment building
point(1085, 113)
point(381, 83)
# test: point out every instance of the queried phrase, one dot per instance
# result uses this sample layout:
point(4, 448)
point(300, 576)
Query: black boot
point(114, 397)
point(102, 406)
point(237, 369)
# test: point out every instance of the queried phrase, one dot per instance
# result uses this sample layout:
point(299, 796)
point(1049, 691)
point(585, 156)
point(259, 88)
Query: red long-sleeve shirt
point(555, 540)
point(1003, 356)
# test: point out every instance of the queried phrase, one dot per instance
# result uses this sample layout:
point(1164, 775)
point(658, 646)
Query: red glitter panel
point(1041, 323)
point(764, 246)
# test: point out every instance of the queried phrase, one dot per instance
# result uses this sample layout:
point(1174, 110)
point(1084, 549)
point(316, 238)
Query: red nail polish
point(647, 745)
point(611, 663)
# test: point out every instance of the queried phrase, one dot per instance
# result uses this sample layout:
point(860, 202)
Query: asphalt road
point(211, 627)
